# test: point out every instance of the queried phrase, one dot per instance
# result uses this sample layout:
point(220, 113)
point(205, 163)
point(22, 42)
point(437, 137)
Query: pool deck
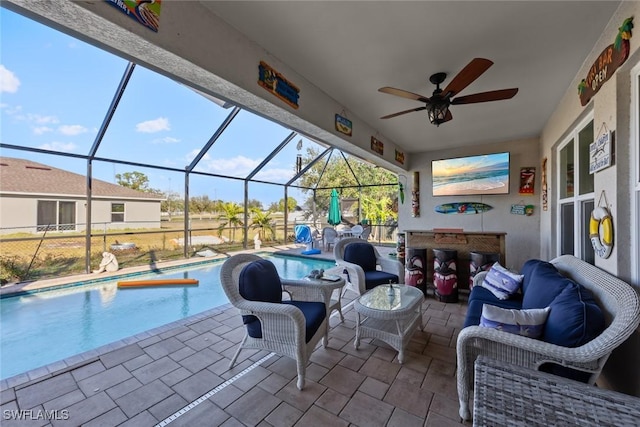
point(178, 375)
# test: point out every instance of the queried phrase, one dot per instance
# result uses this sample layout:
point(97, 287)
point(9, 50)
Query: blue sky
point(55, 91)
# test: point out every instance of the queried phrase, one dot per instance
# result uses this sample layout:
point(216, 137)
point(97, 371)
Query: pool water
point(44, 327)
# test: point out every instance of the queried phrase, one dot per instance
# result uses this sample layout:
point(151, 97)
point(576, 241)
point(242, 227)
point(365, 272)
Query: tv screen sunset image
point(474, 175)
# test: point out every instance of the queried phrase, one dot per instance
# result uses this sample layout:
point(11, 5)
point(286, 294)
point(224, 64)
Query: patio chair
point(364, 265)
point(356, 231)
point(289, 328)
point(304, 235)
point(329, 236)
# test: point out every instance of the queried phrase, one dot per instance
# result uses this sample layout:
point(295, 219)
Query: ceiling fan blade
point(403, 112)
point(464, 78)
point(494, 95)
point(403, 94)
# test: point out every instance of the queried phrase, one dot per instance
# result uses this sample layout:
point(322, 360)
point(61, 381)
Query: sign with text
point(147, 13)
point(343, 125)
point(377, 145)
point(600, 152)
point(612, 57)
point(275, 83)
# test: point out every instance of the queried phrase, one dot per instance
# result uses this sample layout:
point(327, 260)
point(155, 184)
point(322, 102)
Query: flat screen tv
point(473, 175)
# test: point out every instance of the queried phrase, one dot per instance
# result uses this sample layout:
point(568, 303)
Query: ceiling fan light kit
point(438, 105)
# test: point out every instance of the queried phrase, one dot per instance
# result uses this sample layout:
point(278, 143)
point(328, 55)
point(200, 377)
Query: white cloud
point(275, 175)
point(39, 119)
point(8, 81)
point(71, 130)
point(152, 126)
point(40, 130)
point(165, 140)
point(235, 166)
point(59, 146)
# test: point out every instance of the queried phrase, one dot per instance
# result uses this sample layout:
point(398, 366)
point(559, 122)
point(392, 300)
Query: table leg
point(356, 343)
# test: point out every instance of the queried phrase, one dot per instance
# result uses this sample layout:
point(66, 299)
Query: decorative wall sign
point(462, 208)
point(400, 157)
point(377, 145)
point(612, 57)
point(343, 125)
point(544, 184)
point(527, 180)
point(522, 210)
point(277, 84)
point(415, 195)
point(147, 12)
point(600, 152)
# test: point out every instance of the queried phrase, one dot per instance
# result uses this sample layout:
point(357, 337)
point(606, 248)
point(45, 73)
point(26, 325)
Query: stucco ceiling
point(350, 49)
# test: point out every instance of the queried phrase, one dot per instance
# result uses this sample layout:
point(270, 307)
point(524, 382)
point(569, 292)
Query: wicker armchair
point(618, 300)
point(360, 279)
point(283, 325)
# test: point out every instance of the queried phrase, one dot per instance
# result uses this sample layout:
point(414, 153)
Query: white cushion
point(528, 323)
point(501, 282)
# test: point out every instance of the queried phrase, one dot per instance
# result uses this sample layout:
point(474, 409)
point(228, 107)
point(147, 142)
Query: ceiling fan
point(438, 105)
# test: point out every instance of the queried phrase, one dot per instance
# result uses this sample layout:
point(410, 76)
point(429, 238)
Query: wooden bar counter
point(462, 241)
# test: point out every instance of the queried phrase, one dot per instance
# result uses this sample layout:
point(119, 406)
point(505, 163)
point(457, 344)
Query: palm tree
point(262, 221)
point(230, 217)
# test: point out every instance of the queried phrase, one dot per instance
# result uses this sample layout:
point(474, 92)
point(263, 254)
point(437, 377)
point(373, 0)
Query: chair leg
point(235, 356)
point(301, 374)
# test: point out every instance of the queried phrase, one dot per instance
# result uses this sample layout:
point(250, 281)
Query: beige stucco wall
point(18, 214)
point(611, 109)
point(522, 242)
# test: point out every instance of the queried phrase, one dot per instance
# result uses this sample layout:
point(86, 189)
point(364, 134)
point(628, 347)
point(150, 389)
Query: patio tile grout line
point(210, 393)
point(220, 387)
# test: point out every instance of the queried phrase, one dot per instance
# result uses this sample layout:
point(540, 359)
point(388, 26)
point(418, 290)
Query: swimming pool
point(44, 327)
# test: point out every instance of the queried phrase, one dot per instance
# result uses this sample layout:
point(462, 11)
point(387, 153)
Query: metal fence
point(25, 255)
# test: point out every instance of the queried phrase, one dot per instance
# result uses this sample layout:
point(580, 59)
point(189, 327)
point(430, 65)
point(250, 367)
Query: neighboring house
point(36, 197)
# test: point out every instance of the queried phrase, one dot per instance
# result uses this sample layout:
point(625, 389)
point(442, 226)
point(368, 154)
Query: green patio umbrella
point(334, 217)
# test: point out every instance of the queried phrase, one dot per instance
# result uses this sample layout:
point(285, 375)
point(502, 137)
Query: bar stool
point(445, 276)
point(480, 261)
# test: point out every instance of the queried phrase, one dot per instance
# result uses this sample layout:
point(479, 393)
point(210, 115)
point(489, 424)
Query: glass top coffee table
point(390, 313)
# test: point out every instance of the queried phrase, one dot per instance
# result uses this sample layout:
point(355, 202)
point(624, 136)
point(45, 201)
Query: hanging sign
point(275, 83)
point(600, 152)
point(400, 157)
point(522, 210)
point(147, 13)
point(612, 57)
point(527, 180)
point(343, 125)
point(377, 145)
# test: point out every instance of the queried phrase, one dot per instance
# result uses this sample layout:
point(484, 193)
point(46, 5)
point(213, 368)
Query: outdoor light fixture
point(437, 110)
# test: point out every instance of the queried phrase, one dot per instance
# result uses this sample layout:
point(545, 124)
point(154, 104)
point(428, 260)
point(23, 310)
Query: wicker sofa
point(618, 301)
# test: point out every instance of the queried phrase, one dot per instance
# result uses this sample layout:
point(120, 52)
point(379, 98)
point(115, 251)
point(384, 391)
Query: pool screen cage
point(99, 236)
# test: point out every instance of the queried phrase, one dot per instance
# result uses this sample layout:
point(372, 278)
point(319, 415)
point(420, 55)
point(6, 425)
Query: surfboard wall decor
point(462, 208)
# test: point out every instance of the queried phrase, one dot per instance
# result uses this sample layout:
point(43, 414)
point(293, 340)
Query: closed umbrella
point(334, 217)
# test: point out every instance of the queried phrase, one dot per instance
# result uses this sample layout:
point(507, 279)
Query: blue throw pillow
point(259, 281)
point(544, 284)
point(575, 317)
point(501, 282)
point(361, 254)
point(528, 323)
point(527, 270)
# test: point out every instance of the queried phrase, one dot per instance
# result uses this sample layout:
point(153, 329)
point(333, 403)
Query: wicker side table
point(506, 394)
point(390, 313)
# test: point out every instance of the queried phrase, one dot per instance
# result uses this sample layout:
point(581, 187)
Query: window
point(56, 215)
point(575, 193)
point(117, 212)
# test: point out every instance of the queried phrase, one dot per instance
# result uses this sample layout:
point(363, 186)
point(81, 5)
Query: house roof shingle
point(26, 177)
